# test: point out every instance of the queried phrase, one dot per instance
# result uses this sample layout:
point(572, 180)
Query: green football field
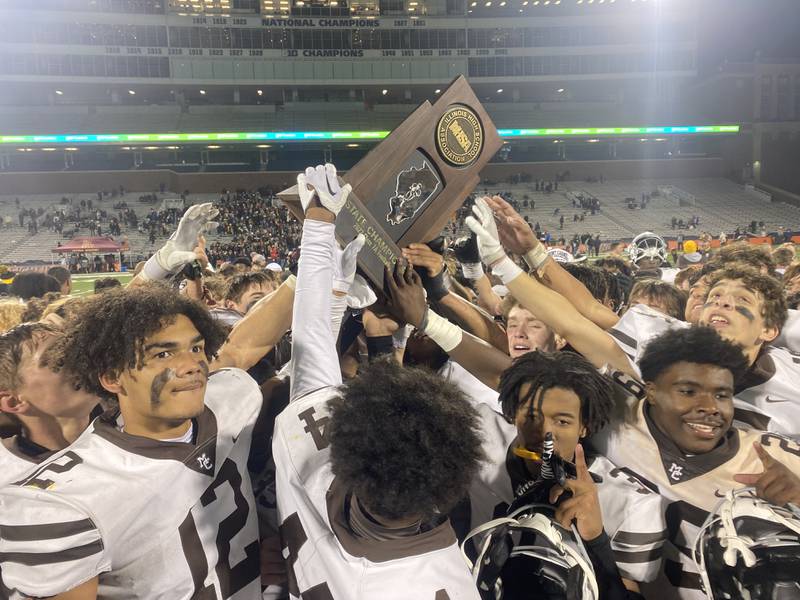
point(84, 284)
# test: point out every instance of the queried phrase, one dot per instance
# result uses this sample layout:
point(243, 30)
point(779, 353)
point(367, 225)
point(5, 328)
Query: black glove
point(438, 286)
point(466, 251)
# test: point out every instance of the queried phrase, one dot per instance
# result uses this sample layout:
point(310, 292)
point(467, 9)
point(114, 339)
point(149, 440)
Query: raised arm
point(514, 234)
point(179, 249)
point(258, 332)
point(549, 306)
point(473, 320)
point(315, 363)
point(482, 360)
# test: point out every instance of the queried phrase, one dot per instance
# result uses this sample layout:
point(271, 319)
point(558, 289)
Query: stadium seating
point(721, 205)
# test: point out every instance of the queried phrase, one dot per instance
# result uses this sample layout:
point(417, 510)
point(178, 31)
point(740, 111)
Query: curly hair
point(701, 345)
point(773, 309)
point(544, 371)
point(404, 440)
point(108, 332)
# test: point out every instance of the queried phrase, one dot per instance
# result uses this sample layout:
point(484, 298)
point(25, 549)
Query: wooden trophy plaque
point(408, 186)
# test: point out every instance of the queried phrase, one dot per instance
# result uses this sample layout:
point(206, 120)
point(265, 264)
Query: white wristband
point(536, 257)
point(506, 270)
point(473, 271)
point(446, 335)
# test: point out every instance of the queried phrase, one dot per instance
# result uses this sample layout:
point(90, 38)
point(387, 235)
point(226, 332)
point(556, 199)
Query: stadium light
point(59, 93)
point(500, 91)
point(560, 90)
point(260, 92)
point(384, 92)
point(353, 145)
point(132, 92)
point(437, 91)
point(263, 146)
point(202, 92)
point(213, 147)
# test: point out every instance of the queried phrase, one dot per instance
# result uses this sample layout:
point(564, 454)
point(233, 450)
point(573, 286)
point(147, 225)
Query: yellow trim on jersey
point(525, 453)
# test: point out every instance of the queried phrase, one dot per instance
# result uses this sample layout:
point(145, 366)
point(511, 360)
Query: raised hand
point(178, 250)
point(514, 233)
point(484, 227)
point(776, 484)
point(406, 294)
point(344, 264)
point(468, 256)
point(324, 184)
point(584, 506)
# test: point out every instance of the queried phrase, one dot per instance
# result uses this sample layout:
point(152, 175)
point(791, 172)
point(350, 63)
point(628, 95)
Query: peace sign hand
point(776, 484)
point(584, 506)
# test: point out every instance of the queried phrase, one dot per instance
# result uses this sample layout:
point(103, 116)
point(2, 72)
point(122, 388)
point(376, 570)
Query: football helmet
point(648, 245)
point(562, 256)
point(748, 549)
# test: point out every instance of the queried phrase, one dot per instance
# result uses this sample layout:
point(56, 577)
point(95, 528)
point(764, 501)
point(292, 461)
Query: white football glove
point(344, 264)
point(325, 184)
point(179, 248)
point(360, 295)
point(483, 225)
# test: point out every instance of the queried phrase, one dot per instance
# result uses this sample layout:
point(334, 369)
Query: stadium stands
point(721, 205)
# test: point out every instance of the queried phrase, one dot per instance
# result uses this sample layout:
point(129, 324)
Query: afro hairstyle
point(404, 440)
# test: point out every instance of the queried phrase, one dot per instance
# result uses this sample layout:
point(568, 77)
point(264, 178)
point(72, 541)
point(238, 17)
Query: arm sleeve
point(47, 546)
point(609, 581)
point(315, 364)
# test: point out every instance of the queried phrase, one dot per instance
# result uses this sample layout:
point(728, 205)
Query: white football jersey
point(632, 515)
point(154, 519)
point(691, 486)
point(766, 398)
point(14, 462)
point(473, 387)
point(326, 559)
point(789, 337)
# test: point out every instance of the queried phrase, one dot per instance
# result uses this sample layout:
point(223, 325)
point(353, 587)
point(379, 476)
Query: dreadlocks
point(543, 371)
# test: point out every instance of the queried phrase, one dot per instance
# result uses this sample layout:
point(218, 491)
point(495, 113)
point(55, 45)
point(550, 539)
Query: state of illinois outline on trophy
point(407, 187)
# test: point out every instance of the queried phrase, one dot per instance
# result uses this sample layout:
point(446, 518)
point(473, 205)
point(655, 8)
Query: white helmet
point(529, 555)
point(749, 549)
point(647, 245)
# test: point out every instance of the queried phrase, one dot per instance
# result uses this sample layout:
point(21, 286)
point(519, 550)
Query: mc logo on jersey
point(459, 136)
point(414, 188)
point(205, 462)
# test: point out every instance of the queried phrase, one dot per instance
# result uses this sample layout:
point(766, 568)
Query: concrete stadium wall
point(66, 182)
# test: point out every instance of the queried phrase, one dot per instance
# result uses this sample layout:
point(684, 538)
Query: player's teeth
point(703, 428)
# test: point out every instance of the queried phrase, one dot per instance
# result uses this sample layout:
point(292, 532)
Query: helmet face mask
point(648, 245)
point(749, 549)
point(528, 555)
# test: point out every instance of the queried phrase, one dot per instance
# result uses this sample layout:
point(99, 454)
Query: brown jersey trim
point(438, 538)
point(191, 455)
point(27, 450)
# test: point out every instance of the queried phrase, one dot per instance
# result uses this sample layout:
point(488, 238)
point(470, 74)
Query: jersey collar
point(199, 456)
point(680, 467)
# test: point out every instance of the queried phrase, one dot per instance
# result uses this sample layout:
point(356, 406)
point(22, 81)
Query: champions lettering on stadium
point(349, 23)
point(326, 53)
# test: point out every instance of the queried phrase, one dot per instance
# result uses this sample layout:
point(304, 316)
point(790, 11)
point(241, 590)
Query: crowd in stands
point(235, 423)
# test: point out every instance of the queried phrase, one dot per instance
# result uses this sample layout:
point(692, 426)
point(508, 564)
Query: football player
point(559, 393)
point(679, 440)
point(172, 459)
point(50, 412)
point(367, 471)
point(744, 305)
